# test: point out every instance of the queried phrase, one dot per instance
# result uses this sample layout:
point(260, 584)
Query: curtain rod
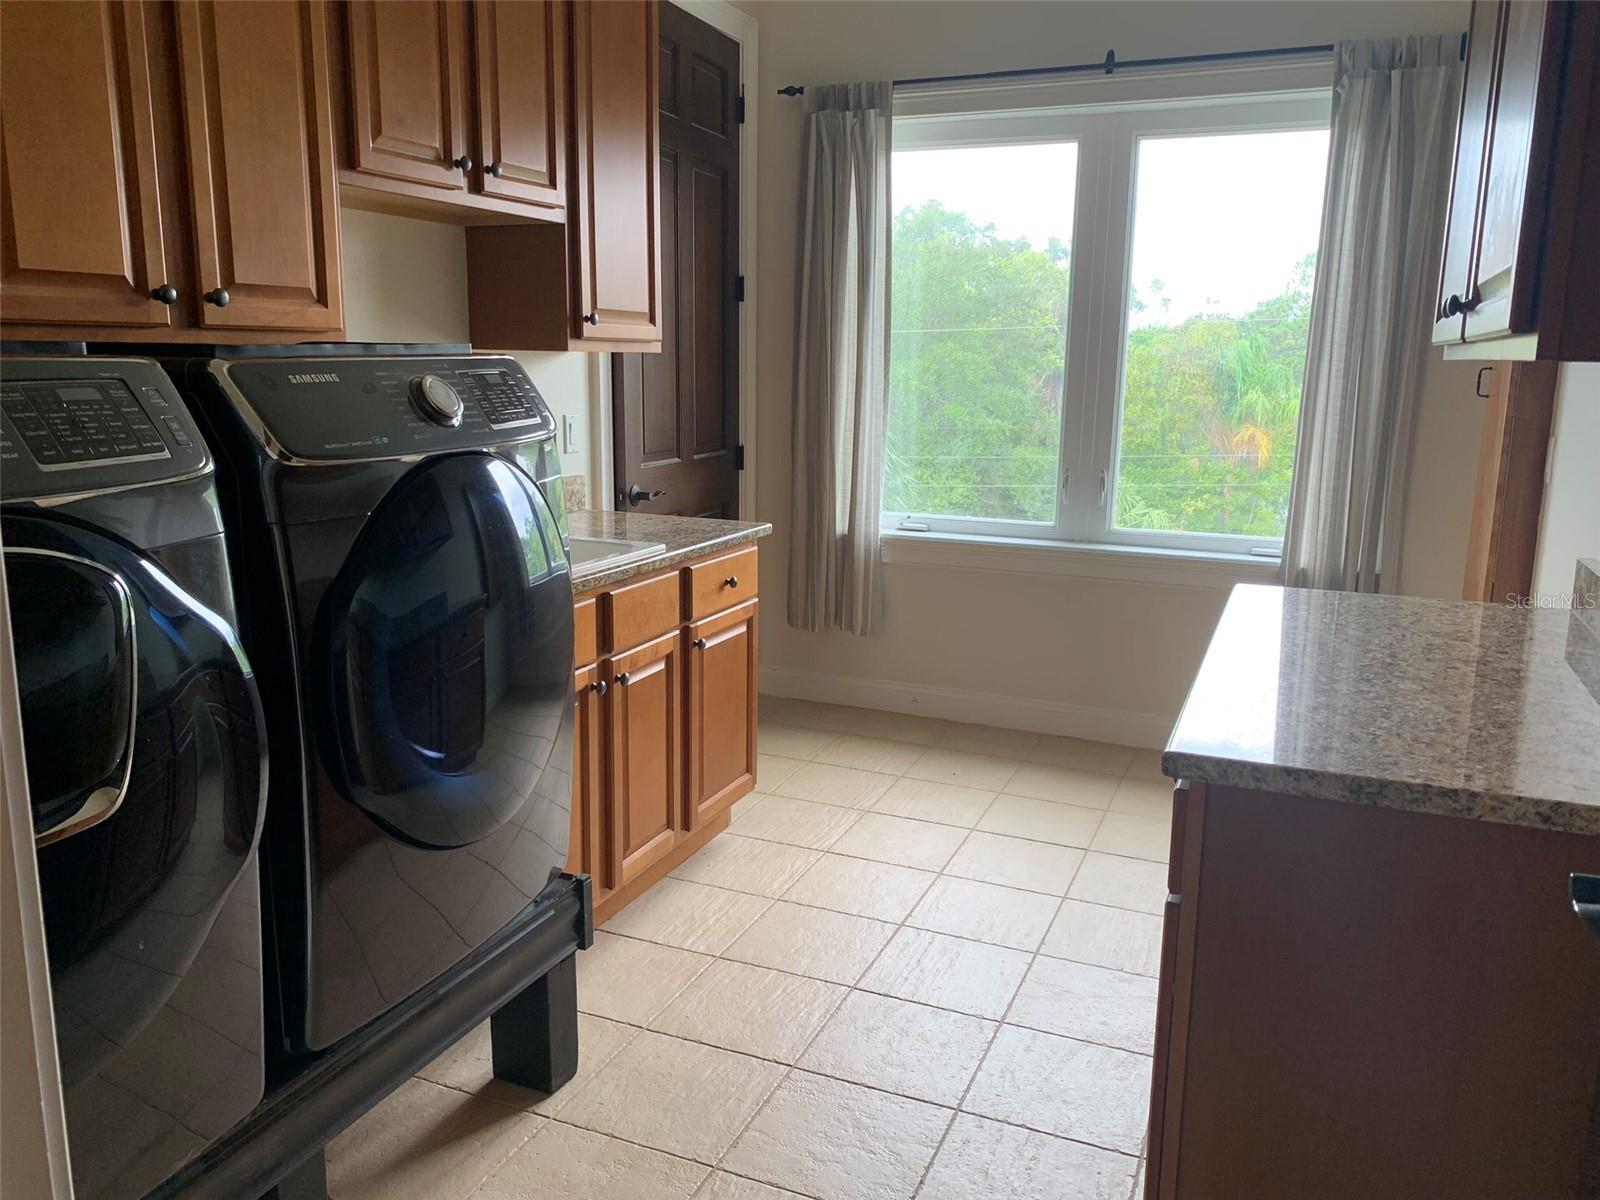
point(1109, 65)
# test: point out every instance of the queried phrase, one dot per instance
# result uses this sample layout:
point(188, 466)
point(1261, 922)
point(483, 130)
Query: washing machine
point(142, 733)
point(401, 559)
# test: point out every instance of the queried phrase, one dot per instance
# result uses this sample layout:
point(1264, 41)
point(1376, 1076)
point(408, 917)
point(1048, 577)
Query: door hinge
point(738, 288)
point(738, 457)
point(738, 108)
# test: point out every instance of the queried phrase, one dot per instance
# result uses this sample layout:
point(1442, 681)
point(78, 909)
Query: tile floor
point(920, 963)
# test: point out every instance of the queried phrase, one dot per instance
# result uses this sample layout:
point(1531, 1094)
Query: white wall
point(1569, 524)
point(1074, 655)
point(406, 281)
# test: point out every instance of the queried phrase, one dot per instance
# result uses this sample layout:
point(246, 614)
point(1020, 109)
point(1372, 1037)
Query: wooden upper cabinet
point(260, 164)
point(81, 238)
point(614, 225)
point(521, 77)
point(408, 91)
point(1472, 135)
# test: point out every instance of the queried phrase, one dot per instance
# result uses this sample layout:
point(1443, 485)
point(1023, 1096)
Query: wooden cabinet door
point(1516, 168)
point(643, 704)
point(521, 61)
point(722, 710)
point(1472, 137)
point(408, 91)
point(615, 219)
point(260, 164)
point(586, 853)
point(81, 240)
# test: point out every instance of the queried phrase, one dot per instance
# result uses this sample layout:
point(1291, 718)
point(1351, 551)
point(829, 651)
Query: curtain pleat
point(841, 381)
point(1389, 161)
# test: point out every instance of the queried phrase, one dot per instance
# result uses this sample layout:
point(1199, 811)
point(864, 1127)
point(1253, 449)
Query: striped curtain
point(841, 372)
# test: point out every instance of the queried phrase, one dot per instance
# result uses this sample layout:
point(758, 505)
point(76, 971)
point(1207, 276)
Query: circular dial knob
point(437, 400)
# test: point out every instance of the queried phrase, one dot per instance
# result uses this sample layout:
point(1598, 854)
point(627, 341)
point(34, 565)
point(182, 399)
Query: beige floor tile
point(743, 805)
point(900, 727)
point(926, 1053)
point(824, 783)
point(424, 1142)
point(1121, 882)
point(1146, 767)
point(948, 972)
point(791, 741)
point(1064, 785)
point(879, 890)
point(1106, 937)
point(1082, 755)
point(806, 714)
point(988, 739)
point(811, 941)
point(563, 1163)
point(1093, 1004)
point(870, 754)
point(1016, 862)
point(1069, 1088)
point(679, 1097)
point(745, 864)
point(796, 822)
point(1135, 837)
point(611, 971)
point(945, 803)
point(690, 916)
point(837, 1141)
point(467, 1066)
point(981, 771)
point(773, 769)
point(985, 912)
point(1144, 798)
point(985, 1158)
point(752, 1010)
point(919, 844)
point(723, 1186)
point(1042, 820)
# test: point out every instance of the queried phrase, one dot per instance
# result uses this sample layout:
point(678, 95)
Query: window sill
point(1077, 560)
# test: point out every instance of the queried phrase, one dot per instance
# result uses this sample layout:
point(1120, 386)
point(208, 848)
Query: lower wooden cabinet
point(665, 735)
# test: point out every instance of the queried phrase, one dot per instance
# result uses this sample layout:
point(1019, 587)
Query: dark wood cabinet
point(260, 164)
point(1525, 185)
point(81, 229)
point(722, 679)
point(521, 75)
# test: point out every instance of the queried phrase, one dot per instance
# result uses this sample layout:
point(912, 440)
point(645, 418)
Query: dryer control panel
point(336, 409)
point(76, 425)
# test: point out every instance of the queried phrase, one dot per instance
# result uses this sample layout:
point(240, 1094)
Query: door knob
point(637, 495)
point(464, 162)
point(166, 293)
point(218, 296)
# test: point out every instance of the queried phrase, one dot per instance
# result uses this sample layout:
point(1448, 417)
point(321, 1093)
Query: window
point(1099, 320)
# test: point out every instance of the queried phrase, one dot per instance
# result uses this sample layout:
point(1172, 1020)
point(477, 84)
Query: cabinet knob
point(464, 162)
point(218, 296)
point(732, 581)
point(600, 687)
point(1454, 305)
point(166, 293)
point(699, 643)
point(494, 169)
point(591, 319)
point(623, 679)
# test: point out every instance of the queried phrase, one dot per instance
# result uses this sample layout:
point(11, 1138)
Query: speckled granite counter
point(1470, 710)
point(684, 538)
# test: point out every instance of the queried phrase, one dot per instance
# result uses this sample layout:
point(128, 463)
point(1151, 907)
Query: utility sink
point(586, 551)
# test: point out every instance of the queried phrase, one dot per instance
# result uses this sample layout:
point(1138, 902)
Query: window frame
point(1107, 130)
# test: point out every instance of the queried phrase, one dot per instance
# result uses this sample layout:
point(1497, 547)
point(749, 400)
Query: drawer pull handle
point(732, 581)
point(623, 679)
point(699, 643)
point(600, 687)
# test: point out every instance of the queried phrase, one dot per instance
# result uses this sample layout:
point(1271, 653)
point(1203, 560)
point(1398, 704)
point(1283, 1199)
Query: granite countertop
point(684, 537)
point(1471, 710)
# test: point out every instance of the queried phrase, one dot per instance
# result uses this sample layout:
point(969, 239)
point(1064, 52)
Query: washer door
point(448, 638)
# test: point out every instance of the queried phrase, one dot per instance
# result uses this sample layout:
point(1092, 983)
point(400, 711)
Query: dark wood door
point(522, 50)
point(260, 164)
point(614, 222)
point(645, 807)
point(1466, 193)
point(722, 710)
point(678, 411)
point(81, 240)
point(408, 91)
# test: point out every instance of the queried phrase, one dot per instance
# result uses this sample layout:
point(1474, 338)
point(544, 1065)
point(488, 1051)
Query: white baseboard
point(977, 708)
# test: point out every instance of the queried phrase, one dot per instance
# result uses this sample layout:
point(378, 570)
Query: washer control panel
point(83, 424)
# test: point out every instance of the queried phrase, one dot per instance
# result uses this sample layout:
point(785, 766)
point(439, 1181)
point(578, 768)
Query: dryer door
point(447, 638)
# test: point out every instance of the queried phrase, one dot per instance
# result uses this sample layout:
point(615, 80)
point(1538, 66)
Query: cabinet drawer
point(637, 612)
point(585, 632)
point(715, 585)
